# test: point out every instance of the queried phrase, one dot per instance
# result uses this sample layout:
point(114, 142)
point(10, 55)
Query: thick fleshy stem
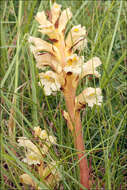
point(84, 170)
point(69, 95)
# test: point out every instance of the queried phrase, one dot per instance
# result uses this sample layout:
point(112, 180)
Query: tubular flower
point(74, 64)
point(50, 82)
point(89, 96)
point(89, 68)
point(76, 38)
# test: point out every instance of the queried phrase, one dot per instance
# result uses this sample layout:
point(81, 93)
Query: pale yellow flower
point(33, 154)
point(64, 18)
point(89, 68)
point(74, 64)
point(37, 131)
point(41, 18)
point(52, 139)
point(43, 135)
point(49, 30)
point(80, 44)
point(50, 82)
point(46, 59)
point(76, 37)
point(32, 158)
point(26, 143)
point(46, 27)
point(89, 96)
point(40, 45)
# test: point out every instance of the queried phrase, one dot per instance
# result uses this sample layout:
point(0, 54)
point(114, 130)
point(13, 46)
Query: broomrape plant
point(35, 156)
point(66, 70)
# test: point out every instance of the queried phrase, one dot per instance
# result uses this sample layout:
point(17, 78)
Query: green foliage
point(104, 127)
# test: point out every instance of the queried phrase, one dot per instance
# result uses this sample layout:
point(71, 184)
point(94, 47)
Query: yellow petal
point(32, 158)
point(50, 81)
point(64, 18)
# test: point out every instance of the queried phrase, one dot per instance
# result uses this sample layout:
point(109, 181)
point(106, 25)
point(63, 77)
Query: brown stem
point(84, 170)
point(69, 95)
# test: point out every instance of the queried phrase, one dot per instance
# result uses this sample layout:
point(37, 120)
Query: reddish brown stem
point(69, 95)
point(79, 143)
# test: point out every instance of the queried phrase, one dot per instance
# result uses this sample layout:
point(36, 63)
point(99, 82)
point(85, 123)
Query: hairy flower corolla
point(50, 82)
point(89, 96)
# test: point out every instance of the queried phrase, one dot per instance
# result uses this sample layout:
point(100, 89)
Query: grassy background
point(24, 104)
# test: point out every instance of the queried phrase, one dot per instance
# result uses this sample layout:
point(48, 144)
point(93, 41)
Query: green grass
point(103, 127)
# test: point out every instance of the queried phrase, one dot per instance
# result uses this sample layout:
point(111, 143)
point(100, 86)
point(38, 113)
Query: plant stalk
point(69, 94)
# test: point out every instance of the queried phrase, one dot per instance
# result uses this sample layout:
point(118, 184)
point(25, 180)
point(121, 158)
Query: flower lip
point(74, 64)
point(50, 82)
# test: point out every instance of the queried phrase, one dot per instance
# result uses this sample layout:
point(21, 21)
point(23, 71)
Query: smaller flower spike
point(50, 82)
point(34, 154)
point(89, 96)
point(48, 172)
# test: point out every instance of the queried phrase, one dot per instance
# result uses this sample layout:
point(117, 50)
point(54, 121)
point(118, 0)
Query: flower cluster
point(35, 156)
point(60, 55)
